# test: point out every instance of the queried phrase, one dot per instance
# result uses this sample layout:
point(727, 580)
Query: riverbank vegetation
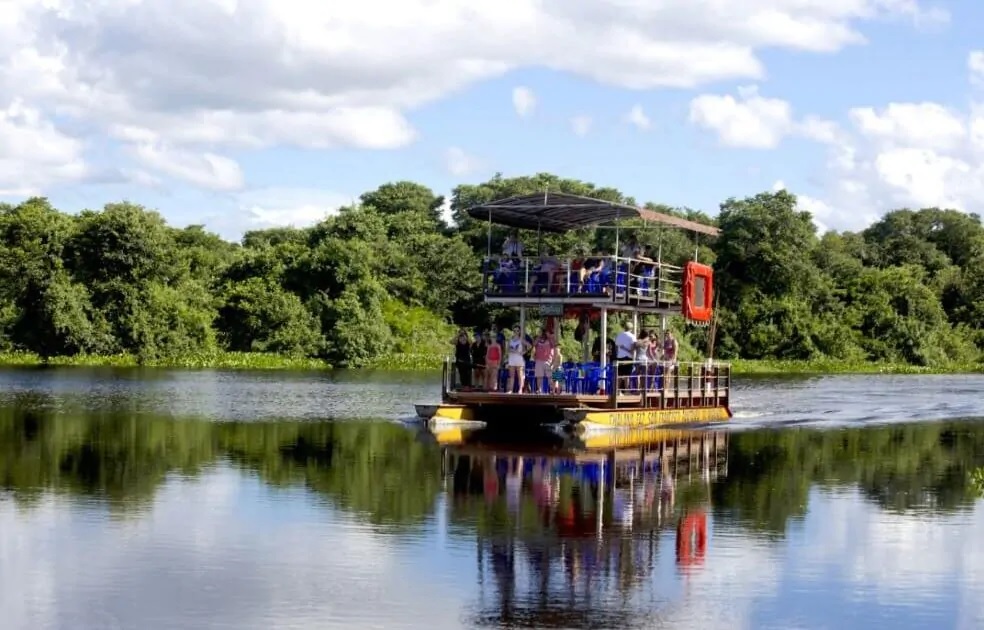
point(384, 283)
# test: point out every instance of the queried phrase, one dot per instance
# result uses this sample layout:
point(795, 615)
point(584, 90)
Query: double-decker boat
point(627, 284)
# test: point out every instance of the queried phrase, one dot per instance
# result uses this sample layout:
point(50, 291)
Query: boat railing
point(620, 279)
point(688, 383)
point(622, 381)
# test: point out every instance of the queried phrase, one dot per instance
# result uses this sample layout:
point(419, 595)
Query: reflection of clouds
point(221, 549)
point(738, 572)
point(920, 568)
point(226, 549)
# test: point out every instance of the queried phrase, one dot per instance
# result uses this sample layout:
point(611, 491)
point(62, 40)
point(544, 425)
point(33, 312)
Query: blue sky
point(247, 115)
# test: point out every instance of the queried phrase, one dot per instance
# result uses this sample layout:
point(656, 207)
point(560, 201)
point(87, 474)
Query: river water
point(197, 499)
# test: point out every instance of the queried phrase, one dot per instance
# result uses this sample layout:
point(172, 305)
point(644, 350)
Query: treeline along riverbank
point(380, 283)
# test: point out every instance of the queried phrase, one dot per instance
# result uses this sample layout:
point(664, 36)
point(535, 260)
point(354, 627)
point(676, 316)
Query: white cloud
point(205, 76)
point(750, 121)
point(298, 207)
point(922, 154)
point(638, 118)
point(975, 64)
point(206, 170)
point(460, 163)
point(34, 154)
point(919, 125)
point(907, 155)
point(524, 101)
point(819, 210)
point(581, 125)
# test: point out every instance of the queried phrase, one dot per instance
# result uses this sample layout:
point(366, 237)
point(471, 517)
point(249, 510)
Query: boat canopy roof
point(562, 212)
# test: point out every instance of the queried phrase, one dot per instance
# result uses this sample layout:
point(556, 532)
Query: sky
point(242, 114)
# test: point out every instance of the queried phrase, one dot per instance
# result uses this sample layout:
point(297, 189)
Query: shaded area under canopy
point(562, 212)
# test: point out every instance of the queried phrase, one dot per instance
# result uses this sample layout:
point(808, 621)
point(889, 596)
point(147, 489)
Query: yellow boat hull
point(638, 418)
point(446, 412)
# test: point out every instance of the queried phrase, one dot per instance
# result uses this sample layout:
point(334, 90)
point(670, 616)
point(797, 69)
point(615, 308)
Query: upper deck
point(610, 281)
point(623, 279)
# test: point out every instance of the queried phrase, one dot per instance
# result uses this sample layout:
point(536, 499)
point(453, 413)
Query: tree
point(388, 275)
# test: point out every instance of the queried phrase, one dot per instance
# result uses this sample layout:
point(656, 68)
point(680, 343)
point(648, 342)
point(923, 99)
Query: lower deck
point(658, 399)
point(622, 395)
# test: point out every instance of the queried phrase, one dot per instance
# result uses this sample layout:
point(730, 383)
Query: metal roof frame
point(563, 212)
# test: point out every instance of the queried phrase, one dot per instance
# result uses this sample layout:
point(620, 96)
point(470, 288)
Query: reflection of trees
point(899, 468)
point(383, 471)
point(122, 459)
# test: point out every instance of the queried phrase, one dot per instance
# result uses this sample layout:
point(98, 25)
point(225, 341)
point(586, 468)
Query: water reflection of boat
point(566, 525)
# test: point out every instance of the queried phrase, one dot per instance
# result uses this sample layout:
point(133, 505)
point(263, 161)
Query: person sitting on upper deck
point(642, 265)
point(544, 271)
point(592, 268)
point(512, 247)
point(629, 248)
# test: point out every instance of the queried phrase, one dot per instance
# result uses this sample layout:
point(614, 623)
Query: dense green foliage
point(383, 281)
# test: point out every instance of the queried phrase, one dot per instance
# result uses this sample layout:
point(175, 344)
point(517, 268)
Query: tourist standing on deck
point(557, 368)
point(669, 347)
point(515, 362)
point(625, 351)
point(478, 351)
point(654, 355)
point(493, 361)
point(463, 358)
point(641, 358)
point(669, 358)
point(542, 351)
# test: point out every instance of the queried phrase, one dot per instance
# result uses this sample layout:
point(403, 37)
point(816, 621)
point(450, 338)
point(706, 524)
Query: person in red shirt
point(493, 362)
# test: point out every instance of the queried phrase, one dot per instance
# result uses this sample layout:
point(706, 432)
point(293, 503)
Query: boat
point(598, 393)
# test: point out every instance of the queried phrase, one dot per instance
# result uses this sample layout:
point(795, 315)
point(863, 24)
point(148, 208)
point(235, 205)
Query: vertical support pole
point(604, 337)
point(522, 321)
point(586, 344)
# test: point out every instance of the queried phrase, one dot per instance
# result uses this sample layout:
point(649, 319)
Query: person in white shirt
point(515, 362)
point(512, 248)
point(629, 248)
point(625, 344)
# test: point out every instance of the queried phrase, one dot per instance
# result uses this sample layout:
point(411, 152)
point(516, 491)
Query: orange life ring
point(698, 292)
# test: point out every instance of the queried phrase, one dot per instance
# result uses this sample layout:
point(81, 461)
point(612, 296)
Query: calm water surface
point(160, 499)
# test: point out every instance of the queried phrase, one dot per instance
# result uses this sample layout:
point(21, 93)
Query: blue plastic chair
point(622, 278)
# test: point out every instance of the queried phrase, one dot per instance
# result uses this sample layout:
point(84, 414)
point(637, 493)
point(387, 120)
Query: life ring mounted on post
point(698, 292)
